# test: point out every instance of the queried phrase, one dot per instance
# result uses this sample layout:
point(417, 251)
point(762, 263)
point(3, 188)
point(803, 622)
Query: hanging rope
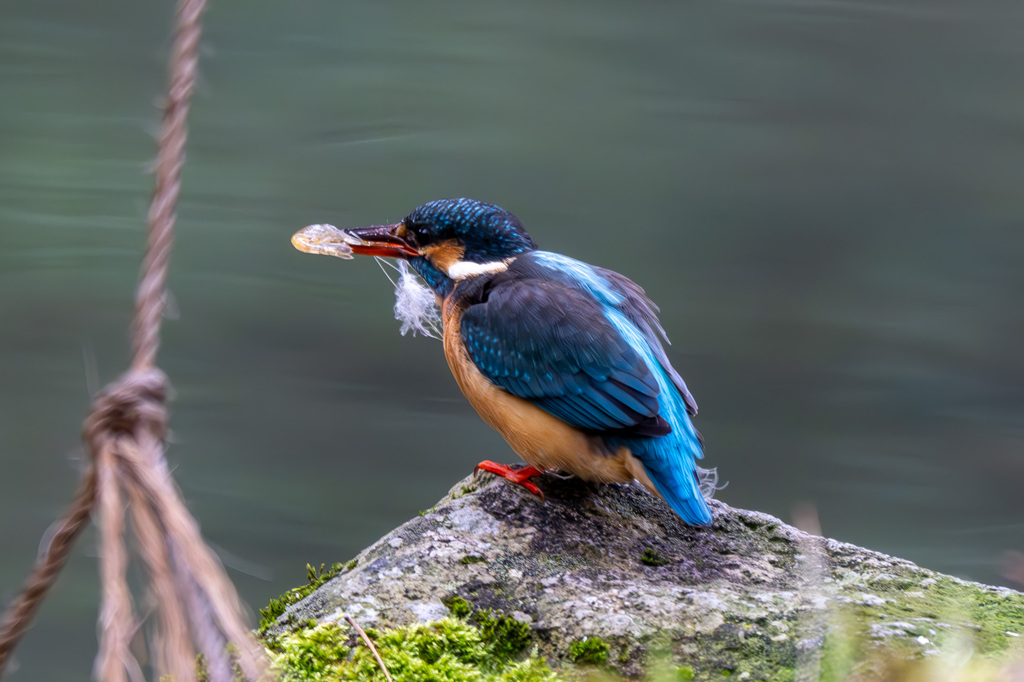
point(170, 158)
point(47, 568)
point(196, 605)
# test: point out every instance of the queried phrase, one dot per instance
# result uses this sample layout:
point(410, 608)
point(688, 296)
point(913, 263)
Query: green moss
point(651, 557)
point(315, 577)
point(991, 614)
point(858, 632)
point(845, 645)
point(446, 651)
point(459, 607)
point(472, 559)
point(270, 613)
point(589, 650)
point(939, 609)
point(311, 653)
point(458, 651)
point(939, 613)
point(465, 490)
point(506, 635)
point(741, 649)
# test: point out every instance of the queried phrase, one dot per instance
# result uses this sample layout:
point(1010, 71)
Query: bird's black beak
point(380, 240)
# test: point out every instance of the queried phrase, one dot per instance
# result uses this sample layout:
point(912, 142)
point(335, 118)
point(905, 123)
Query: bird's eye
point(418, 231)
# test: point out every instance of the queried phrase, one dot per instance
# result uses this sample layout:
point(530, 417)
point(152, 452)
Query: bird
point(564, 359)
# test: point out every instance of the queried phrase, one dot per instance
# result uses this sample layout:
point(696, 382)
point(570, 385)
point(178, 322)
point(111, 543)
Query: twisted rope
point(170, 159)
point(47, 568)
point(198, 606)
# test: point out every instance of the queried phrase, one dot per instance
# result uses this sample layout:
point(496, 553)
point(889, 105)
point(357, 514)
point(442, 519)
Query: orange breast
point(542, 440)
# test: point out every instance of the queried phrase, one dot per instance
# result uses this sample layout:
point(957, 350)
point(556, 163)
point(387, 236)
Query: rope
point(48, 566)
point(149, 297)
point(198, 605)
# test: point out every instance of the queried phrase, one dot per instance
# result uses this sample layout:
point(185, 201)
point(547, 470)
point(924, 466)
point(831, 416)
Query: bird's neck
point(468, 275)
point(441, 283)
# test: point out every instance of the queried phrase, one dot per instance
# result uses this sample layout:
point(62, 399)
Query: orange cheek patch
point(445, 254)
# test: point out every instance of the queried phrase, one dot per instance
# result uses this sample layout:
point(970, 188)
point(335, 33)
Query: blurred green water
point(823, 197)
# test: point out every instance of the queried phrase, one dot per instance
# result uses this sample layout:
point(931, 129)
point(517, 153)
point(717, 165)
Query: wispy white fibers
point(415, 304)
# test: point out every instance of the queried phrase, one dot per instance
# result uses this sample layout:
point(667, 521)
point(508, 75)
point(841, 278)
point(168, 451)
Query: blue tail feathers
point(680, 489)
point(670, 460)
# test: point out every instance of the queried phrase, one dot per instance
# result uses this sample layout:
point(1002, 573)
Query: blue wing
point(549, 342)
point(584, 344)
point(642, 312)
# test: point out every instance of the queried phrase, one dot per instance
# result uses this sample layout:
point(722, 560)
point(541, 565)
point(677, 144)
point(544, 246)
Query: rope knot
point(129, 406)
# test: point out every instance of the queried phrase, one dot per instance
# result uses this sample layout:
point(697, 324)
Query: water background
point(823, 196)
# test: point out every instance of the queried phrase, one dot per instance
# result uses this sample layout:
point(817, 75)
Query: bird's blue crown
point(487, 232)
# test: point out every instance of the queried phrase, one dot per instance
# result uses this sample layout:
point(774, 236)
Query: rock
point(749, 595)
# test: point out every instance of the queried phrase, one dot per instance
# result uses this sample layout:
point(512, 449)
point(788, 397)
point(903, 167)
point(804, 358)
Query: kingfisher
point(564, 359)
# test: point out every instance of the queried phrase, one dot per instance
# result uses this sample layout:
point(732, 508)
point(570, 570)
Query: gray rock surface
point(749, 595)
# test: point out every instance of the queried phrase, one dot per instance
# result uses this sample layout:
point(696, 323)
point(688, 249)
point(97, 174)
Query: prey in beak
point(377, 240)
point(415, 304)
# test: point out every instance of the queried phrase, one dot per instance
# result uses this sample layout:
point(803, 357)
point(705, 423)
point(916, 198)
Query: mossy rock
point(449, 650)
point(747, 598)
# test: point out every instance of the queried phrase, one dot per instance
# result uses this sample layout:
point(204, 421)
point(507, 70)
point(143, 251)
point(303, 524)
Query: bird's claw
point(519, 476)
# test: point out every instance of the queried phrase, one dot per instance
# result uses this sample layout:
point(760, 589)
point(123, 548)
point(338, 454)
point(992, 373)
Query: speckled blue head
point(486, 232)
point(448, 240)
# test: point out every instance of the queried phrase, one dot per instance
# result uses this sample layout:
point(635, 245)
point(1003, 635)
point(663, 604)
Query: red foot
point(519, 476)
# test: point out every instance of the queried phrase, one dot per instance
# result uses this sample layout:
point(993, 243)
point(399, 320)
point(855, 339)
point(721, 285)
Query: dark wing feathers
point(642, 312)
point(550, 343)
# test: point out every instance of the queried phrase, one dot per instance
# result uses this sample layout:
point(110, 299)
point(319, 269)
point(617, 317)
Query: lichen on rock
point(749, 596)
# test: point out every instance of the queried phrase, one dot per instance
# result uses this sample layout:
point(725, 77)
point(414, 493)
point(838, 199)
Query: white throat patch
point(464, 269)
